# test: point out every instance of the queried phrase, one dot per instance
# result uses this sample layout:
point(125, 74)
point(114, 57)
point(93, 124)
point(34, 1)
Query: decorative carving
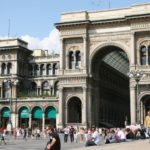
point(138, 25)
point(73, 32)
point(73, 80)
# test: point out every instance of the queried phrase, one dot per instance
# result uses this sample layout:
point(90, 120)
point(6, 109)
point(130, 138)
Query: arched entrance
point(5, 117)
point(24, 117)
point(50, 116)
point(74, 110)
point(37, 117)
point(110, 87)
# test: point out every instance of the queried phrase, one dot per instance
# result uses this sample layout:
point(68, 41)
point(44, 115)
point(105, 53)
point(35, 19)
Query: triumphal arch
point(104, 77)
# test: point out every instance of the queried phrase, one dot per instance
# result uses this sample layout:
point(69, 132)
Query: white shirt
point(121, 135)
point(96, 137)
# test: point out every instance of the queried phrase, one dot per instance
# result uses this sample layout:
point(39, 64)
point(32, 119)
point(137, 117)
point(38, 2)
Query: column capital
point(61, 88)
point(84, 37)
point(84, 87)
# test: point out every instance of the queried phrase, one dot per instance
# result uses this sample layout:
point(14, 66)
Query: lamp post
point(137, 75)
point(9, 83)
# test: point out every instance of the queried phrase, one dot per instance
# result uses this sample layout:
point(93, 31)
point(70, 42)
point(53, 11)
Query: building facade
point(28, 85)
point(101, 77)
point(99, 51)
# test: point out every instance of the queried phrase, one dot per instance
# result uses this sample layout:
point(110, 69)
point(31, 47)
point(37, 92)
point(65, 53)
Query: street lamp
point(137, 75)
point(9, 83)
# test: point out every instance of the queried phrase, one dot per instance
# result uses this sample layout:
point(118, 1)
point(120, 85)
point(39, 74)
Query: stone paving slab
point(133, 145)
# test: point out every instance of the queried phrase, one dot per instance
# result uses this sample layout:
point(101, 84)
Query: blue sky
point(34, 19)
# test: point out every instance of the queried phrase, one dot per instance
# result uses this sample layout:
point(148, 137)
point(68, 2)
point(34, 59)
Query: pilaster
point(133, 104)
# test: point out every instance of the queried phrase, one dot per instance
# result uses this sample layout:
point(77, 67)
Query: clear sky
point(33, 20)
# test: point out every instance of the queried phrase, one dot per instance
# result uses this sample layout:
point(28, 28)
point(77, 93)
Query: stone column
point(16, 120)
point(132, 104)
point(89, 107)
point(43, 121)
point(30, 120)
point(84, 107)
point(84, 52)
point(0, 68)
point(142, 117)
point(14, 91)
point(61, 54)
point(61, 119)
point(40, 91)
point(33, 71)
point(38, 71)
point(146, 55)
point(2, 92)
point(45, 69)
point(132, 49)
point(67, 61)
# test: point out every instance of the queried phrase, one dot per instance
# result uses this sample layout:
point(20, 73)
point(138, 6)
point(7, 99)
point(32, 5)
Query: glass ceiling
point(118, 60)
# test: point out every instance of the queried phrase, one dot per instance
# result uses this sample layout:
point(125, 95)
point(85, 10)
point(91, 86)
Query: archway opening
point(37, 117)
point(5, 117)
point(50, 116)
point(110, 88)
point(74, 110)
point(24, 117)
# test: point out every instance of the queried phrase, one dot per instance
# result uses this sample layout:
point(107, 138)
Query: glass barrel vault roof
point(118, 60)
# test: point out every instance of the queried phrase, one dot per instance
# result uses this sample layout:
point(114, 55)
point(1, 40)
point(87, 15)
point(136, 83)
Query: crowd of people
point(90, 136)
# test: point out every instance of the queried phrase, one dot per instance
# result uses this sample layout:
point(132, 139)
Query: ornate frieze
point(73, 31)
point(73, 80)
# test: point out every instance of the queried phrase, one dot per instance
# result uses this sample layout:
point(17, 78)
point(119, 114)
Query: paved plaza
point(29, 144)
point(33, 144)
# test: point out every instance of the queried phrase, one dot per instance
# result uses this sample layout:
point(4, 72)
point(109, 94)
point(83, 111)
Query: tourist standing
point(66, 132)
point(54, 140)
point(71, 133)
point(25, 134)
point(147, 123)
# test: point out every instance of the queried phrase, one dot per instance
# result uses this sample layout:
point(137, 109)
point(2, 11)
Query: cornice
point(126, 18)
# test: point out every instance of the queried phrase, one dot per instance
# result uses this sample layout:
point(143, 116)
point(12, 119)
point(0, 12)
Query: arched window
point(149, 55)
point(3, 68)
point(78, 59)
point(42, 69)
point(9, 67)
point(71, 60)
point(50, 116)
point(48, 69)
point(31, 70)
point(36, 70)
point(6, 90)
point(55, 68)
point(45, 88)
point(33, 89)
point(143, 55)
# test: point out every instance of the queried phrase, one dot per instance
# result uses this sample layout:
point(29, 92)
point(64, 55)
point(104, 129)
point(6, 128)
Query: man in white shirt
point(95, 138)
point(121, 135)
